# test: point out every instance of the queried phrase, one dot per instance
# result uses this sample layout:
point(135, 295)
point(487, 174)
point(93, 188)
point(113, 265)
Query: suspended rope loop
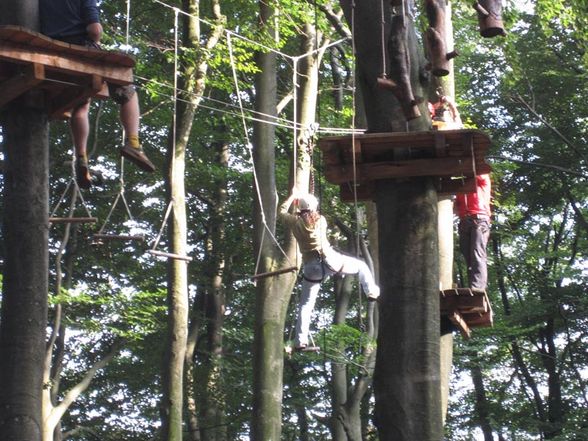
point(167, 213)
point(250, 149)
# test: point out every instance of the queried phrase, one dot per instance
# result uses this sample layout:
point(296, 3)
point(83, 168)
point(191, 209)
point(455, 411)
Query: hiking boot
point(137, 157)
point(83, 176)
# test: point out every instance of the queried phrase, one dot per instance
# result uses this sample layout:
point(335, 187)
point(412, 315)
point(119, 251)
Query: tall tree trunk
point(481, 403)
point(192, 82)
point(213, 400)
point(346, 422)
point(273, 293)
point(25, 284)
point(407, 383)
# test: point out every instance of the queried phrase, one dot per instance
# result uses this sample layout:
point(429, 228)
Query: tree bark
point(25, 233)
point(481, 403)
point(407, 383)
point(407, 377)
point(192, 79)
point(272, 293)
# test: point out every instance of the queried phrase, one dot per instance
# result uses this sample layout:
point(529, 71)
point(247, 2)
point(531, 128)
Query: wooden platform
point(452, 156)
point(466, 308)
point(67, 73)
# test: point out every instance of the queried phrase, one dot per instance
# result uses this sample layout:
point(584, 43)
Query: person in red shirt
point(473, 210)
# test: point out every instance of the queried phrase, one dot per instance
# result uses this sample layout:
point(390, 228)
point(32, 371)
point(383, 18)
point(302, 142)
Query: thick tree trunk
point(407, 377)
point(273, 293)
point(192, 82)
point(25, 231)
point(407, 383)
point(25, 283)
point(172, 403)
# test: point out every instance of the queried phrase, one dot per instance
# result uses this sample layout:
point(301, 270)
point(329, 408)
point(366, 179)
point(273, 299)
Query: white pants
point(314, 272)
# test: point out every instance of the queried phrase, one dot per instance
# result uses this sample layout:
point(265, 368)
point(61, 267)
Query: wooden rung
point(121, 237)
point(274, 273)
point(73, 220)
point(170, 255)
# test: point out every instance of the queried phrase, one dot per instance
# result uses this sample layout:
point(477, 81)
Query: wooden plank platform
point(454, 157)
point(466, 308)
point(68, 73)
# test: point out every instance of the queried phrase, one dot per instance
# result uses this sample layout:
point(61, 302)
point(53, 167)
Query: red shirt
point(475, 203)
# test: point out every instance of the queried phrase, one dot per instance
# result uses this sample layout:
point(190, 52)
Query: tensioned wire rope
point(172, 202)
point(253, 167)
point(236, 35)
point(241, 107)
point(278, 121)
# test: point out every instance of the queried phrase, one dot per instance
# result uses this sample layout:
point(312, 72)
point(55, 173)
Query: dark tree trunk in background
point(481, 404)
point(25, 232)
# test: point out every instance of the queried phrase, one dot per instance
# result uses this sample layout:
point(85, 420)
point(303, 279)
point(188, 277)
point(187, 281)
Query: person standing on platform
point(473, 210)
point(78, 22)
point(444, 114)
point(319, 260)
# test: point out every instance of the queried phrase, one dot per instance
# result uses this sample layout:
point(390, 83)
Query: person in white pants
point(319, 260)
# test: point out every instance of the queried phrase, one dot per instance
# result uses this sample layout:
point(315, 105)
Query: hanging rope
point(383, 41)
point(101, 235)
point(355, 204)
point(75, 194)
point(171, 202)
point(250, 149)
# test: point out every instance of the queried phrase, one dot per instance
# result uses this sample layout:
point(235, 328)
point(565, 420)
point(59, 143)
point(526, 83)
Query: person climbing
point(473, 210)
point(319, 260)
point(78, 22)
point(444, 114)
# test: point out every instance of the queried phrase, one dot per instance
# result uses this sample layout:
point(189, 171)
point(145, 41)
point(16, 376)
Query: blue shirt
point(67, 18)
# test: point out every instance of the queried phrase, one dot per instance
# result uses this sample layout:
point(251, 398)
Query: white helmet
point(307, 202)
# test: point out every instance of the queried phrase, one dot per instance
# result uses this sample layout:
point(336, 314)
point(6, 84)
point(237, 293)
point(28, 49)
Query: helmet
point(307, 202)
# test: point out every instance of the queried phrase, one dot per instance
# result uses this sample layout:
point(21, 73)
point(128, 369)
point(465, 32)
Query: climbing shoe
point(137, 157)
point(83, 176)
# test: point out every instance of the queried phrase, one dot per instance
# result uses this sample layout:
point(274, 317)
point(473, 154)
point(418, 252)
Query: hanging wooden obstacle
point(466, 308)
point(67, 73)
point(454, 157)
point(170, 255)
point(274, 273)
point(490, 17)
point(73, 220)
point(118, 237)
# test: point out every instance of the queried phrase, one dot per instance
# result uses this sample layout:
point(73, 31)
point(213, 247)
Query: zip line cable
point(283, 124)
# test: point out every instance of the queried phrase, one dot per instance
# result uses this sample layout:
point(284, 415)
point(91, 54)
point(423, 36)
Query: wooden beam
point(29, 77)
point(72, 96)
point(449, 186)
point(458, 320)
point(400, 169)
point(274, 273)
point(73, 220)
point(170, 255)
point(64, 62)
point(118, 237)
